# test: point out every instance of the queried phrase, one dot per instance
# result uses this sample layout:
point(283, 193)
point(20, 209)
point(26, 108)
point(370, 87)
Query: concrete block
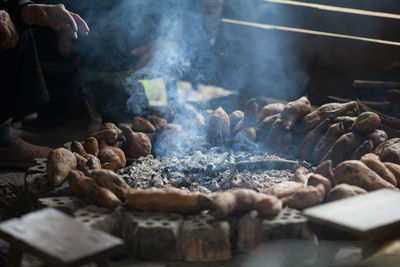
point(205, 239)
point(66, 204)
point(101, 219)
point(153, 236)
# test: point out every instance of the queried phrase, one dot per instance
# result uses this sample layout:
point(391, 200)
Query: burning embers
point(208, 154)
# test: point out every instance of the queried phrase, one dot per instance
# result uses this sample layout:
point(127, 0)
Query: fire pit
point(230, 189)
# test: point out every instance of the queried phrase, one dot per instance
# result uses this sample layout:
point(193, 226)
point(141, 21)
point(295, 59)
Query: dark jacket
point(13, 9)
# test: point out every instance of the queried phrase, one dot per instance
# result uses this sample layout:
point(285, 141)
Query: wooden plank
point(371, 217)
point(57, 238)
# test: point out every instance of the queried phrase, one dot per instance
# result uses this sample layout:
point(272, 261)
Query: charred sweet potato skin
point(59, 163)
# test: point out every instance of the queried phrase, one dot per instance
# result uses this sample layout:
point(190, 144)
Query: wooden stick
point(268, 164)
point(375, 84)
point(380, 105)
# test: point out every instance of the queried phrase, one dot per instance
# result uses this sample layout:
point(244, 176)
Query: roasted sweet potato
point(325, 169)
point(86, 188)
point(389, 151)
point(346, 121)
point(283, 190)
point(242, 200)
point(327, 111)
point(218, 127)
point(91, 146)
point(157, 122)
point(301, 175)
point(270, 110)
point(235, 117)
point(343, 148)
point(93, 162)
point(108, 135)
point(295, 111)
point(366, 123)
point(279, 138)
point(342, 191)
point(142, 125)
point(311, 139)
point(316, 179)
point(395, 169)
point(250, 113)
point(366, 147)
point(110, 125)
point(112, 158)
point(59, 163)
point(80, 161)
point(372, 161)
point(170, 200)
point(355, 172)
point(306, 197)
point(137, 144)
point(377, 137)
point(327, 141)
point(110, 180)
point(77, 147)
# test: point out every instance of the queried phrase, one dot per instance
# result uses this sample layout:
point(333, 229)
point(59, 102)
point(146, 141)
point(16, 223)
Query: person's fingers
point(69, 21)
point(14, 35)
point(142, 49)
point(82, 25)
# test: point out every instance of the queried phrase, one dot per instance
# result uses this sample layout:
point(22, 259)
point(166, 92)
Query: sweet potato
point(346, 121)
point(266, 124)
point(92, 162)
point(112, 158)
point(218, 127)
point(306, 197)
point(157, 122)
point(372, 161)
point(301, 175)
point(91, 146)
point(250, 113)
point(377, 137)
point(110, 125)
point(235, 117)
point(270, 110)
point(80, 161)
point(137, 144)
point(343, 148)
point(355, 172)
point(395, 169)
point(342, 191)
point(86, 188)
point(142, 125)
point(279, 138)
point(283, 189)
point(316, 179)
point(327, 111)
point(77, 147)
point(325, 169)
point(243, 200)
point(170, 200)
point(295, 111)
point(366, 123)
point(59, 163)
point(110, 180)
point(108, 135)
point(389, 151)
point(327, 141)
point(311, 139)
point(364, 148)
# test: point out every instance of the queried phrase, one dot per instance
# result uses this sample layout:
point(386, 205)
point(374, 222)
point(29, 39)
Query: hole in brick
point(297, 217)
point(284, 217)
point(195, 221)
point(60, 203)
point(157, 219)
point(165, 223)
point(84, 214)
point(86, 220)
point(95, 216)
point(174, 218)
point(56, 200)
point(149, 223)
point(286, 214)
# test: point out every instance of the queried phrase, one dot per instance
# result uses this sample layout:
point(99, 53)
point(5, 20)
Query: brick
point(205, 239)
point(150, 236)
point(101, 219)
point(66, 204)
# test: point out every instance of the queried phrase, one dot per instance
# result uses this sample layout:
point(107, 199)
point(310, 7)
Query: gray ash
point(210, 170)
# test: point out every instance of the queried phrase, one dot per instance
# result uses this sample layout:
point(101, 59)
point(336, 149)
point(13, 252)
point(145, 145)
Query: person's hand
point(9, 37)
point(66, 24)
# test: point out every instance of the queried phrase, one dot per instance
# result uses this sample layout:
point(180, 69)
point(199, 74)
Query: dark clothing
point(21, 82)
point(13, 7)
